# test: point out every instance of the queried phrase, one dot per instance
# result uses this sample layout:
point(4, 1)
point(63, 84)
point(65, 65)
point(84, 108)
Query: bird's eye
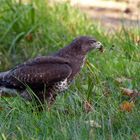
point(92, 41)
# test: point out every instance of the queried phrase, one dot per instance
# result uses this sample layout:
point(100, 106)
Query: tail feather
point(1, 78)
point(2, 75)
point(4, 90)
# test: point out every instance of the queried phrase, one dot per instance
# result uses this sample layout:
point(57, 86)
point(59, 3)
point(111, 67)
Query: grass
point(39, 29)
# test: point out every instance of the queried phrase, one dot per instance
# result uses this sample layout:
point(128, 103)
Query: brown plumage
point(48, 75)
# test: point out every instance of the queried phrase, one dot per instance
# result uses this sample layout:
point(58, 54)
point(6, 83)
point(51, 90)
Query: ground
point(100, 104)
point(111, 14)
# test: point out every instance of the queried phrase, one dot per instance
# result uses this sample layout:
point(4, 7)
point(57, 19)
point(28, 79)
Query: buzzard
point(48, 75)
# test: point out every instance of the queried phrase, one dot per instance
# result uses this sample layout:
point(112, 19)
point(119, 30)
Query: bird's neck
point(72, 56)
point(76, 60)
point(69, 52)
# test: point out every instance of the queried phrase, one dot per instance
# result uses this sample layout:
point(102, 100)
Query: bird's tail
point(2, 75)
point(1, 78)
point(3, 90)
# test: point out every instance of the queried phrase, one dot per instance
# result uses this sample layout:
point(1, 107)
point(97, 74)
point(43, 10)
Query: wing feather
point(40, 71)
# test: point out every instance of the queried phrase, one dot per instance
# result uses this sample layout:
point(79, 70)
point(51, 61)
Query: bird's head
point(84, 44)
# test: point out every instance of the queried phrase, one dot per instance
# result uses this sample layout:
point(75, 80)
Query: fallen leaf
point(127, 92)
point(133, 94)
point(29, 37)
point(88, 107)
point(92, 123)
point(122, 79)
point(135, 136)
point(127, 106)
point(1, 108)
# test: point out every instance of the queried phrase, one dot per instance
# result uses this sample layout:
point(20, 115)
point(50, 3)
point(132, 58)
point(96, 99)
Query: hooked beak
point(98, 45)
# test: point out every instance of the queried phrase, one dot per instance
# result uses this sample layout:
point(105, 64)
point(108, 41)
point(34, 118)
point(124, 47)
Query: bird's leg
point(51, 97)
point(48, 97)
point(26, 95)
point(48, 94)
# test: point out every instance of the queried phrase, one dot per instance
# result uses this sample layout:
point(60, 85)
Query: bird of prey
point(48, 75)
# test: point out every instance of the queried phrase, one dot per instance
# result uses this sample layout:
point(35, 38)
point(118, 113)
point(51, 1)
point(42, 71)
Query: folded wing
point(36, 73)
